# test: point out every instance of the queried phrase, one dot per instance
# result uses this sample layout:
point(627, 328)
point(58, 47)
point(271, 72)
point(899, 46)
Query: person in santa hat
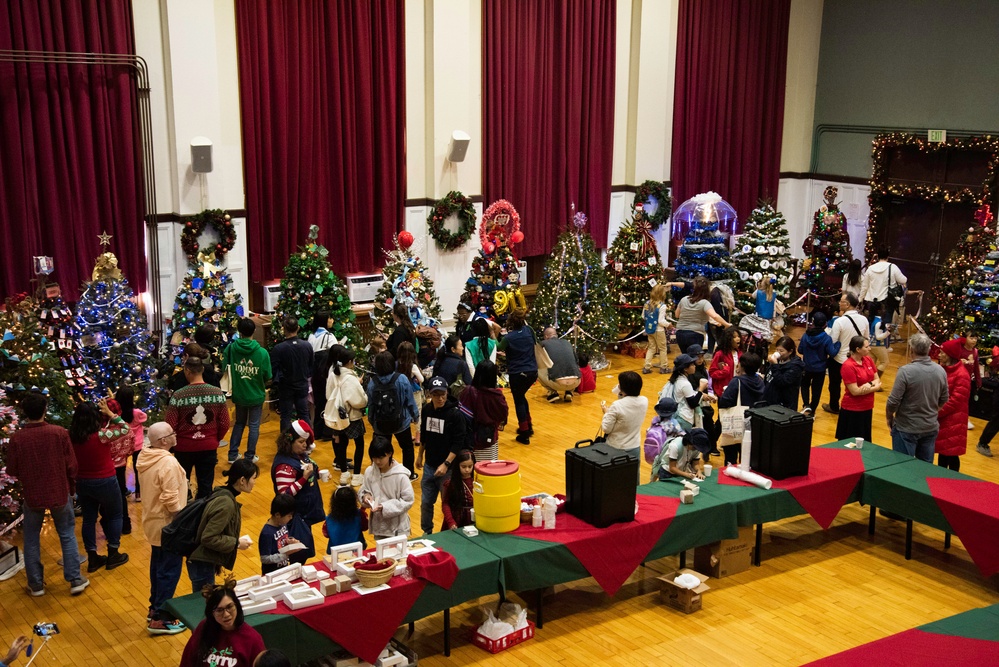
point(294, 473)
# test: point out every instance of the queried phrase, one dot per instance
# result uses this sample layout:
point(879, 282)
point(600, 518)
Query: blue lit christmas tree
point(704, 251)
point(116, 343)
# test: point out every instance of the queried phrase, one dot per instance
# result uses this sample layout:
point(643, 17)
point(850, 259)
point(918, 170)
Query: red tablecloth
point(362, 624)
point(610, 554)
point(832, 476)
point(971, 507)
point(916, 647)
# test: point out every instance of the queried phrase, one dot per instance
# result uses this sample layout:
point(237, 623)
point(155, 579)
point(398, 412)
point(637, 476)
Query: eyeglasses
point(168, 435)
point(224, 611)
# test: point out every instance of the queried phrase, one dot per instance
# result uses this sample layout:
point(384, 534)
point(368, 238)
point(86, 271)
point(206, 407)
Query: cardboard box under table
point(687, 600)
point(726, 557)
point(478, 575)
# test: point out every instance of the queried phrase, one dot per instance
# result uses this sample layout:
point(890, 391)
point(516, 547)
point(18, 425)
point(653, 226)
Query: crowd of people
point(452, 396)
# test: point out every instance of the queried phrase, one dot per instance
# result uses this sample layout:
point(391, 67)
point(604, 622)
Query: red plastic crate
point(512, 639)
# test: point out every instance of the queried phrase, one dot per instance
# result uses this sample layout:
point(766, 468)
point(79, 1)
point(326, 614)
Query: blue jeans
point(201, 574)
point(65, 524)
point(103, 495)
point(293, 405)
point(919, 445)
point(430, 488)
point(245, 413)
point(164, 573)
point(685, 339)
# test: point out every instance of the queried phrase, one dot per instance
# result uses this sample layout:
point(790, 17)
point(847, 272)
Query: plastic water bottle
point(536, 519)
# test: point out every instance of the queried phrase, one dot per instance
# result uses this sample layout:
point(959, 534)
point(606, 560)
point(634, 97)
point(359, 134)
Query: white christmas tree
point(764, 249)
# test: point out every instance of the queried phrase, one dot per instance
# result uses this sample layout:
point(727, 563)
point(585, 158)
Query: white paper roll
point(746, 476)
point(747, 445)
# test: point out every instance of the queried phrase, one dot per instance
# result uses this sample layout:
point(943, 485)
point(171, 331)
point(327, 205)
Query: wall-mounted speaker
point(201, 155)
point(458, 147)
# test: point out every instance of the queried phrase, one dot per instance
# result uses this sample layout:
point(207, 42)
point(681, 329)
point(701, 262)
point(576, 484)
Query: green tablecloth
point(709, 519)
point(902, 489)
point(874, 456)
point(975, 624)
point(478, 574)
point(752, 505)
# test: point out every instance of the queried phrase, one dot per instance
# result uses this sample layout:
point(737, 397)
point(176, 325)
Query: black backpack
point(384, 411)
point(180, 536)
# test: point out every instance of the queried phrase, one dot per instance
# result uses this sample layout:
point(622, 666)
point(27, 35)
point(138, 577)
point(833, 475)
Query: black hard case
point(600, 483)
point(782, 441)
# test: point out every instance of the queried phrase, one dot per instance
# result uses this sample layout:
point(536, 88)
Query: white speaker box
point(458, 147)
point(201, 155)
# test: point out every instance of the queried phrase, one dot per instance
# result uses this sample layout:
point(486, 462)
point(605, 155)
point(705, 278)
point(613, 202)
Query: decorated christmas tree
point(27, 360)
point(115, 341)
point(58, 324)
point(493, 287)
point(10, 489)
point(407, 280)
point(827, 251)
point(981, 296)
point(633, 268)
point(309, 286)
point(763, 250)
point(573, 295)
point(705, 249)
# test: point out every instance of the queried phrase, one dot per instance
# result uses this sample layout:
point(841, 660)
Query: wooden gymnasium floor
point(815, 594)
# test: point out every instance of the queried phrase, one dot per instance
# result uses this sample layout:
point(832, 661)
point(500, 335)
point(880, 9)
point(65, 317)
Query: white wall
point(804, 36)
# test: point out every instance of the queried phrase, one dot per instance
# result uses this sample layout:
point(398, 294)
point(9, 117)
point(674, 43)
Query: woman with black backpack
point(392, 408)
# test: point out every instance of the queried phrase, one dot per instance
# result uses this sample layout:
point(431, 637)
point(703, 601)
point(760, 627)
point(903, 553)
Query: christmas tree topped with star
point(827, 251)
point(633, 268)
point(573, 295)
point(705, 248)
point(115, 341)
point(493, 286)
point(764, 249)
point(407, 280)
point(309, 287)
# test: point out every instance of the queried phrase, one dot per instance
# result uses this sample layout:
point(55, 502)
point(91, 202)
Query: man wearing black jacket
point(442, 436)
point(291, 362)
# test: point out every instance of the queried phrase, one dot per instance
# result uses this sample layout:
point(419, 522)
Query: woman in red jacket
point(726, 357)
point(952, 438)
point(484, 405)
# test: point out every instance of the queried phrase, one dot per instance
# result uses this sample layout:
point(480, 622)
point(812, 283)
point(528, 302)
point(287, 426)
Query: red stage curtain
point(548, 113)
point(323, 109)
point(728, 110)
point(70, 158)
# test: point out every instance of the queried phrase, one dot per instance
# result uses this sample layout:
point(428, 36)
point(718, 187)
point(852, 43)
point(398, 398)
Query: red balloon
point(405, 239)
point(488, 247)
point(517, 236)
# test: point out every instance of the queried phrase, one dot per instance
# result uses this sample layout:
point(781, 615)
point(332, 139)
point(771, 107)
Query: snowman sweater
point(199, 415)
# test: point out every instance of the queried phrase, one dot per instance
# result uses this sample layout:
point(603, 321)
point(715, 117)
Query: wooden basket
point(373, 578)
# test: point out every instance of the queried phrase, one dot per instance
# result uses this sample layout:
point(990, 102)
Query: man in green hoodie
point(249, 367)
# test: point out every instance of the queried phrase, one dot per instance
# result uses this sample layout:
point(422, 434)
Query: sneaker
point(568, 397)
point(35, 592)
point(254, 457)
point(807, 411)
point(664, 371)
point(984, 450)
point(82, 557)
point(158, 627)
point(971, 426)
point(554, 397)
point(149, 614)
point(233, 459)
point(828, 408)
point(116, 560)
point(223, 443)
point(413, 477)
point(523, 438)
point(345, 478)
point(646, 371)
point(96, 563)
point(79, 586)
point(126, 528)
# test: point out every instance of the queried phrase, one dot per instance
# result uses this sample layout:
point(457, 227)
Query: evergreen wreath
point(220, 222)
point(453, 203)
point(659, 191)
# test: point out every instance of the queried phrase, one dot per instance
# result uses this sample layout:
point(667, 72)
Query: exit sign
point(937, 136)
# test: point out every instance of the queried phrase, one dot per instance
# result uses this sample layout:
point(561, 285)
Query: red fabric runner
point(832, 476)
point(971, 507)
point(437, 567)
point(362, 624)
point(916, 647)
point(610, 554)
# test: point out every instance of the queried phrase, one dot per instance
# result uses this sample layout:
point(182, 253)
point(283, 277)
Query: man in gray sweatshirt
point(920, 390)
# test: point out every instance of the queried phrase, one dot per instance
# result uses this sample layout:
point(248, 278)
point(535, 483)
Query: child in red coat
point(952, 438)
point(587, 378)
